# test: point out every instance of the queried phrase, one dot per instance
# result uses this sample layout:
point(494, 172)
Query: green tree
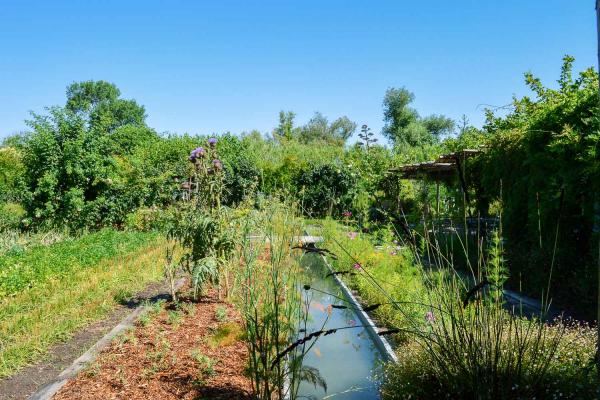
point(100, 104)
point(542, 163)
point(75, 171)
point(285, 129)
point(403, 125)
point(318, 129)
point(12, 173)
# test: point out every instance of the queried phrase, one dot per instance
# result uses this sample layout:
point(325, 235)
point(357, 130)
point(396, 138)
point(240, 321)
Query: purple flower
point(192, 159)
point(357, 266)
point(430, 317)
point(217, 164)
point(352, 235)
point(199, 152)
point(212, 142)
point(347, 214)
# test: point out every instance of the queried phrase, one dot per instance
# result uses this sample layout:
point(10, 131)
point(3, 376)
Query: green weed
point(221, 313)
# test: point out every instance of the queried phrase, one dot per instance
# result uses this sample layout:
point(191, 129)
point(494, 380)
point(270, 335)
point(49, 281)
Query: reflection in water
point(348, 360)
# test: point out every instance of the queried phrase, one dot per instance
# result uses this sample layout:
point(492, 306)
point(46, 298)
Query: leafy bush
point(541, 164)
point(11, 215)
point(12, 175)
point(325, 190)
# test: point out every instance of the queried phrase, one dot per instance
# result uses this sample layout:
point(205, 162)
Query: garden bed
point(186, 352)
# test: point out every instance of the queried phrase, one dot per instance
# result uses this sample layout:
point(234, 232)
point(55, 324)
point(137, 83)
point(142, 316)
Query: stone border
point(47, 391)
point(381, 342)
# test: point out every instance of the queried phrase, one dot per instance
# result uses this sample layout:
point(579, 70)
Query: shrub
point(325, 190)
point(11, 216)
point(12, 174)
point(147, 219)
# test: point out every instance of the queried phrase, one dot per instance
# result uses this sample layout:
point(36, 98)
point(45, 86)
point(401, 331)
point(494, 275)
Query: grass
point(221, 313)
point(74, 283)
point(206, 366)
point(23, 270)
point(226, 334)
point(452, 350)
point(390, 265)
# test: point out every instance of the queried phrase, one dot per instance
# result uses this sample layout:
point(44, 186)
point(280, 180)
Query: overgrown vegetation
point(92, 184)
point(456, 339)
point(71, 284)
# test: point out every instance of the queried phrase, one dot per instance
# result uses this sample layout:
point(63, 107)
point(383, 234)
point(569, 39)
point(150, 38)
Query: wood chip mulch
point(168, 358)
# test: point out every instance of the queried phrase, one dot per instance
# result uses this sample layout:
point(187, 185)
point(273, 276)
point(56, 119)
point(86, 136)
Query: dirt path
point(60, 356)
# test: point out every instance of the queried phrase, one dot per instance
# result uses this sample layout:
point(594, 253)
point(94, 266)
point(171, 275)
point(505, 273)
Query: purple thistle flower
point(212, 142)
point(199, 152)
point(192, 156)
point(357, 266)
point(217, 164)
point(430, 317)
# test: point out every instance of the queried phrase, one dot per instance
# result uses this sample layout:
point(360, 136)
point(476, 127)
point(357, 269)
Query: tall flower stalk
point(201, 225)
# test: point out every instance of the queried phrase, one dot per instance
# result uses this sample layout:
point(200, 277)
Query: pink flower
point(347, 214)
point(357, 266)
point(352, 235)
point(429, 317)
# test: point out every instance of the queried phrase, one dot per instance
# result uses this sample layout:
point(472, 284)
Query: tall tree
point(72, 173)
point(404, 126)
point(285, 129)
point(99, 102)
point(319, 129)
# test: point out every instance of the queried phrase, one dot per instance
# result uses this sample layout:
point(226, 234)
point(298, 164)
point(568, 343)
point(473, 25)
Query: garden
point(294, 265)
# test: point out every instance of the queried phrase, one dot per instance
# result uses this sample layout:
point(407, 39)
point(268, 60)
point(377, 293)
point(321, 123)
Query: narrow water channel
point(348, 360)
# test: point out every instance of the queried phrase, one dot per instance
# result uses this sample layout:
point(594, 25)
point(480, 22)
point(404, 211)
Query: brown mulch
point(27, 381)
point(166, 359)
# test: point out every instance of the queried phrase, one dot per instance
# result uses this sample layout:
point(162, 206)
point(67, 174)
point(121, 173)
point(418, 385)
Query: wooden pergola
point(443, 170)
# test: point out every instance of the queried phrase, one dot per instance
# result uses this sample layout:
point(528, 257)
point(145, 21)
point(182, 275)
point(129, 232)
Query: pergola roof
point(443, 168)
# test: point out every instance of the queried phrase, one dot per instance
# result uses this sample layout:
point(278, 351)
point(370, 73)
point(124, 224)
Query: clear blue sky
point(215, 66)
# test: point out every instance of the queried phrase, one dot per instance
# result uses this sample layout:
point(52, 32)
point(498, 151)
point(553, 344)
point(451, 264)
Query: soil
point(26, 382)
point(180, 353)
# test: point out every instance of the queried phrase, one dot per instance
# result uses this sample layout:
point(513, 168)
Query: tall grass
point(53, 309)
point(21, 270)
point(268, 294)
point(461, 340)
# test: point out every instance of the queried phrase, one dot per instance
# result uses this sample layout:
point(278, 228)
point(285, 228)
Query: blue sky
point(214, 66)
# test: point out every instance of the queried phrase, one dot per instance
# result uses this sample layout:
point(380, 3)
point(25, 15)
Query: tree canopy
point(317, 129)
point(405, 127)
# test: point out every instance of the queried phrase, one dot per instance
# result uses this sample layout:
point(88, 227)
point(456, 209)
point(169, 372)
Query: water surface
point(348, 360)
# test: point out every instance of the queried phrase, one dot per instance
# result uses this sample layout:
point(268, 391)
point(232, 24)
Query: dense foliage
point(94, 162)
point(542, 164)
